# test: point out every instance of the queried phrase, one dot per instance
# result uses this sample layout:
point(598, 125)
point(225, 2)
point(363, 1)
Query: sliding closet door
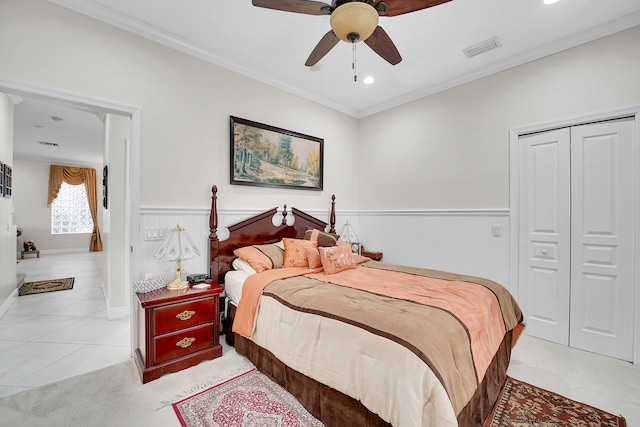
point(545, 234)
point(602, 238)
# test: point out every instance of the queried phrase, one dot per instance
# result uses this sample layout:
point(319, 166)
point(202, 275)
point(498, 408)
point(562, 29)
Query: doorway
point(130, 167)
point(575, 210)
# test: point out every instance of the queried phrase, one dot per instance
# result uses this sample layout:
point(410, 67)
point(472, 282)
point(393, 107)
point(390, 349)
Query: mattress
point(233, 282)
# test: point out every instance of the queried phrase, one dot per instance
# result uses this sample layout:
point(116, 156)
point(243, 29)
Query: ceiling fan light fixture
point(354, 18)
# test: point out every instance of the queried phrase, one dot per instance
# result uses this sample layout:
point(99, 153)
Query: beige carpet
point(115, 396)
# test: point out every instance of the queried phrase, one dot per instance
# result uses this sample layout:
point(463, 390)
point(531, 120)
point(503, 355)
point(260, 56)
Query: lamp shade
point(354, 21)
point(348, 235)
point(177, 246)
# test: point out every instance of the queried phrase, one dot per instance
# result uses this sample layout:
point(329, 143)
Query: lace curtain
point(76, 176)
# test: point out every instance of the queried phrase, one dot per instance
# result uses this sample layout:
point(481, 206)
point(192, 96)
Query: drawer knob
point(185, 315)
point(185, 342)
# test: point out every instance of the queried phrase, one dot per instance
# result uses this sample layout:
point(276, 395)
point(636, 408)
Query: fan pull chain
point(353, 63)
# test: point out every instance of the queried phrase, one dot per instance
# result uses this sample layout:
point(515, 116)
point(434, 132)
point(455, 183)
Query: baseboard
point(63, 251)
point(6, 304)
point(113, 312)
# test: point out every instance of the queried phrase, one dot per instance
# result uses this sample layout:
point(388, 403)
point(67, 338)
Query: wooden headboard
point(256, 230)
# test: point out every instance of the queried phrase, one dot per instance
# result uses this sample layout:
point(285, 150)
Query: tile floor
point(48, 337)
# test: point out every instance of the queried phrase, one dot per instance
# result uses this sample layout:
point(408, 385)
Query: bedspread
point(411, 344)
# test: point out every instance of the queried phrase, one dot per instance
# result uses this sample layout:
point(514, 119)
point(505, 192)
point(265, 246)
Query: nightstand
point(376, 256)
point(177, 329)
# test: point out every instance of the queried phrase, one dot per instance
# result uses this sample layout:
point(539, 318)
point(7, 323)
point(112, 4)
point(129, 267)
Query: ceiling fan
point(352, 21)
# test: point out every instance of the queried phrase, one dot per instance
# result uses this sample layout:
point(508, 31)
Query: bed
point(370, 344)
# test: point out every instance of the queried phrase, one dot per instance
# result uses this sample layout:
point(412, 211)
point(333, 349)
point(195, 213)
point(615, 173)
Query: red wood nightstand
point(177, 329)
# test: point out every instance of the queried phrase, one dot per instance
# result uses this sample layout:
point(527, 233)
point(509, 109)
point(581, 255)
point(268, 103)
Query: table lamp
point(349, 236)
point(176, 247)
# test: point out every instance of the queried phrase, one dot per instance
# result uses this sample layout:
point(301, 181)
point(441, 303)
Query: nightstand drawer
point(183, 342)
point(181, 316)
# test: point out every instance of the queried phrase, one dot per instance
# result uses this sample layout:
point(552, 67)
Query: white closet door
point(545, 234)
point(602, 238)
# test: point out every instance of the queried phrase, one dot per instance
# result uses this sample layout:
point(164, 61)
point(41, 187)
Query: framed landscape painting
point(264, 155)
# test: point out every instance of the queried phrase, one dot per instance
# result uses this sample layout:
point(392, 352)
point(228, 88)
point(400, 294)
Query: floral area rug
point(31, 288)
point(248, 400)
point(522, 405)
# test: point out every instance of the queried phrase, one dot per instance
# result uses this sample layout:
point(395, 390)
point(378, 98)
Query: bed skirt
point(335, 409)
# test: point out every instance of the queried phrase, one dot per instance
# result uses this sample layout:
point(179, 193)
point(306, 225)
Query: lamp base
point(178, 285)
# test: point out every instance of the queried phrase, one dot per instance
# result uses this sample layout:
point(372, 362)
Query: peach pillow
point(313, 256)
point(261, 257)
point(337, 258)
point(295, 254)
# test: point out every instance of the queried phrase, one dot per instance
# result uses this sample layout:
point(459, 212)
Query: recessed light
point(368, 80)
point(550, 1)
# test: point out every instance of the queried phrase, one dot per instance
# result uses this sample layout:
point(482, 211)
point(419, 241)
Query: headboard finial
point(213, 217)
point(332, 216)
point(284, 215)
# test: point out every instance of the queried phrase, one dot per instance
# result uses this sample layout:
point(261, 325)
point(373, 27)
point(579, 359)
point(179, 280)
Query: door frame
point(514, 214)
point(132, 236)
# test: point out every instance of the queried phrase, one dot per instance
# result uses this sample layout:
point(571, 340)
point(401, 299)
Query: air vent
point(50, 144)
point(482, 47)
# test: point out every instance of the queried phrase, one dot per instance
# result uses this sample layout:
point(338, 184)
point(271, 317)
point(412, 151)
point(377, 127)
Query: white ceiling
point(272, 46)
point(78, 133)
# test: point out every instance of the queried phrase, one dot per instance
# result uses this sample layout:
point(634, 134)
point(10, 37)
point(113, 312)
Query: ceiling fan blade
point(307, 7)
point(381, 44)
point(400, 7)
point(323, 47)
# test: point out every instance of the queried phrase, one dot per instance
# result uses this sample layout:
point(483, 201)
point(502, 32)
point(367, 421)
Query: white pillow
point(241, 265)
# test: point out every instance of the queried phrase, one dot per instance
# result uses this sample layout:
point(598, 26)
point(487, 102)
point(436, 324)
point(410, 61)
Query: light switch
point(496, 230)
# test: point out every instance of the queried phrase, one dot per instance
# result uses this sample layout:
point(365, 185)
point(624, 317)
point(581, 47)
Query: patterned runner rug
point(42, 286)
point(248, 400)
point(522, 405)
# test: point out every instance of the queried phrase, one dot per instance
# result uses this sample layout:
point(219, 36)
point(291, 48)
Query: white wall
point(113, 233)
point(451, 151)
point(185, 107)
point(7, 228)
point(185, 102)
point(33, 216)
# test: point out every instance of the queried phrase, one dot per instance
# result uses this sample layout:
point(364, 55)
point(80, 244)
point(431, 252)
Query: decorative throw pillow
point(323, 239)
point(313, 256)
point(261, 257)
point(337, 258)
point(295, 254)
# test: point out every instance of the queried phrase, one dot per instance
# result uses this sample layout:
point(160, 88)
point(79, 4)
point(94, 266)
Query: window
point(70, 212)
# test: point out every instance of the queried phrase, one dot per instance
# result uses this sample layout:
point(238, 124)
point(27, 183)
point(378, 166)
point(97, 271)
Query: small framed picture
point(105, 187)
point(8, 180)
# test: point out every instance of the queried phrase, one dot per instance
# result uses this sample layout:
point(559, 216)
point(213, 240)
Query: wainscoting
point(451, 240)
point(460, 241)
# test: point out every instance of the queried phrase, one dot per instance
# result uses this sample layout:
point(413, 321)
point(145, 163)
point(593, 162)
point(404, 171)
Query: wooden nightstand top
point(163, 295)
point(376, 256)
